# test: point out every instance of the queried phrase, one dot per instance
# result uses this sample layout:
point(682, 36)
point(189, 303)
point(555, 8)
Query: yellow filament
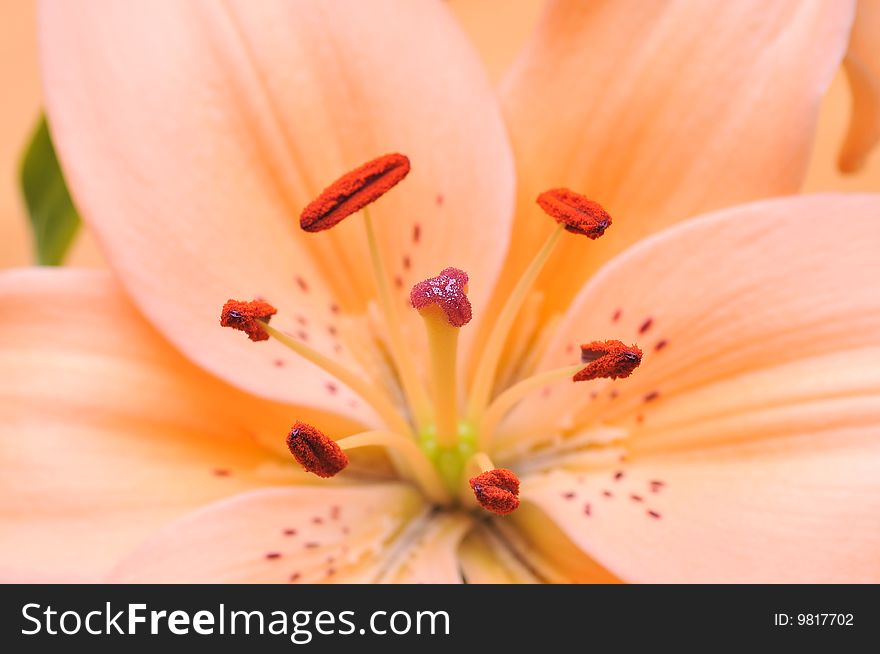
point(412, 387)
point(388, 412)
point(488, 363)
point(504, 402)
point(423, 473)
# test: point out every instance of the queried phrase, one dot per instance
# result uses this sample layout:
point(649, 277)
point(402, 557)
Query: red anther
point(314, 451)
point(248, 317)
point(611, 359)
point(448, 291)
point(579, 214)
point(353, 191)
point(497, 490)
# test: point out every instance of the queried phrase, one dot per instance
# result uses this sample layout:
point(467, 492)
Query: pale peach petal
point(107, 431)
point(840, 388)
point(279, 535)
point(194, 133)
point(801, 509)
point(430, 556)
point(663, 110)
point(771, 304)
point(862, 64)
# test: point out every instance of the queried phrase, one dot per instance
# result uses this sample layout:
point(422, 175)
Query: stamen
point(578, 214)
point(419, 467)
point(446, 291)
point(353, 191)
point(497, 490)
point(610, 359)
point(315, 452)
point(444, 306)
point(574, 213)
point(248, 317)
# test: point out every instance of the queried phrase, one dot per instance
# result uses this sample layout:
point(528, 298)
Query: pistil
point(443, 304)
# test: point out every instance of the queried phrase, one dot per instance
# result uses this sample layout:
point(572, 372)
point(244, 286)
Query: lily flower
point(450, 381)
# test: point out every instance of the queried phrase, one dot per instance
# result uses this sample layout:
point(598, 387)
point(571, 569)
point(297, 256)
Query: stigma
point(448, 291)
point(249, 317)
point(609, 359)
point(315, 451)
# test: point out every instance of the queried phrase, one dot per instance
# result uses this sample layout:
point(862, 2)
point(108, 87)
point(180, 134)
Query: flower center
point(438, 442)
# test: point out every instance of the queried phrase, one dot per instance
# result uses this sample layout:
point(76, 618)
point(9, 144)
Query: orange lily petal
point(193, 134)
point(767, 304)
point(107, 431)
point(862, 65)
point(662, 111)
point(801, 509)
point(349, 534)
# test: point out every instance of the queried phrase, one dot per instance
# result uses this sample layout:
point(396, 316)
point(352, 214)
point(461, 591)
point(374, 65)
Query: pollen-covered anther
point(497, 490)
point(448, 291)
point(577, 213)
point(315, 452)
point(248, 317)
point(608, 359)
point(353, 191)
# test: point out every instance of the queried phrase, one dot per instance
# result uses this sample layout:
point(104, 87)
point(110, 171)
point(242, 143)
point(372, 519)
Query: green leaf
point(54, 219)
